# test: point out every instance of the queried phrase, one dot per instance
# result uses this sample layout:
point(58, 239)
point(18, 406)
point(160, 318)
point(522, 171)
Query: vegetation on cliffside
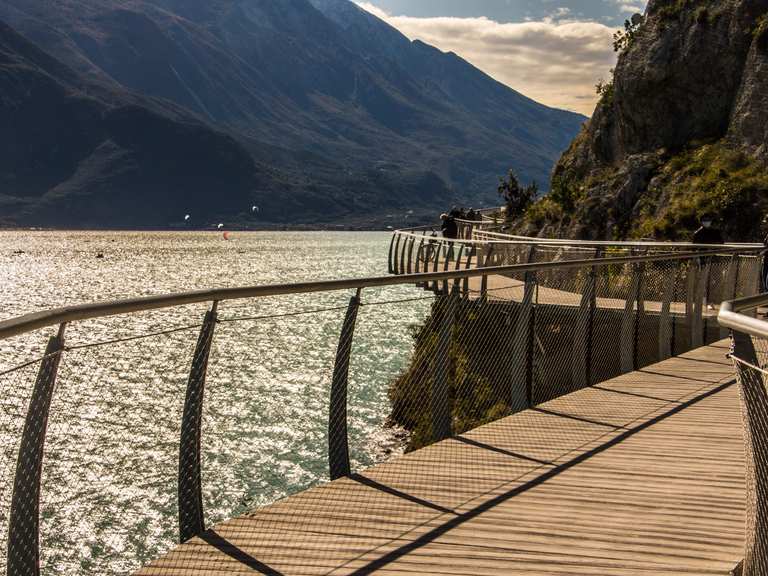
point(712, 178)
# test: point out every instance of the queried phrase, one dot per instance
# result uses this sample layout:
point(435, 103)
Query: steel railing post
point(592, 314)
point(666, 328)
point(447, 264)
point(530, 356)
point(190, 496)
point(697, 320)
point(390, 259)
point(706, 274)
point(731, 286)
point(690, 298)
point(338, 440)
point(484, 280)
point(440, 403)
point(24, 522)
point(639, 315)
point(523, 349)
point(409, 265)
point(457, 281)
point(402, 255)
point(438, 247)
point(581, 358)
point(395, 254)
point(630, 323)
point(470, 258)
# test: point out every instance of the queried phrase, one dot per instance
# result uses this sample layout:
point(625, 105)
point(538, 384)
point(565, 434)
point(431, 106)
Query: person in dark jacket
point(708, 234)
point(450, 231)
point(449, 227)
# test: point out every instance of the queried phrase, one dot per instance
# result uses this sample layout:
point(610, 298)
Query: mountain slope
point(680, 133)
point(344, 107)
point(75, 153)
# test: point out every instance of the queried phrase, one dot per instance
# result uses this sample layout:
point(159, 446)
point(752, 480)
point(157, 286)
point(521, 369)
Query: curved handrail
point(509, 240)
point(620, 243)
point(748, 337)
point(730, 315)
point(36, 320)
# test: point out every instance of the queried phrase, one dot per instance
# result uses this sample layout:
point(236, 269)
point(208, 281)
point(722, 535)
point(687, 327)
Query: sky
point(554, 51)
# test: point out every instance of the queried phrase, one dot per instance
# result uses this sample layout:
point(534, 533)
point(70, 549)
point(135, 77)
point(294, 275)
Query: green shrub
point(623, 39)
point(711, 178)
point(517, 198)
point(545, 211)
point(761, 28)
point(606, 91)
point(478, 379)
point(673, 9)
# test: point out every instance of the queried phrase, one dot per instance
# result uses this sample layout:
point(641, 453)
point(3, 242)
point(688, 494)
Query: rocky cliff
point(681, 130)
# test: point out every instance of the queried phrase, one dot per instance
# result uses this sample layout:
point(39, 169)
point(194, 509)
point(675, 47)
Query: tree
point(623, 38)
point(516, 197)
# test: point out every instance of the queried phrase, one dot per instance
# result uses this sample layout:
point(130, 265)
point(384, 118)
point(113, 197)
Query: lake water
point(110, 473)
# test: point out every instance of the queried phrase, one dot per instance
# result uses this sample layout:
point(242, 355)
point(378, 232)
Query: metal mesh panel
point(751, 361)
point(16, 384)
point(265, 416)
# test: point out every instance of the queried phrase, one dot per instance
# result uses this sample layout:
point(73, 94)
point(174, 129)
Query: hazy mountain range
point(135, 112)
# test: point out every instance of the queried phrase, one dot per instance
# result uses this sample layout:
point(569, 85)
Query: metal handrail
point(730, 315)
point(510, 239)
point(622, 243)
point(67, 314)
point(749, 362)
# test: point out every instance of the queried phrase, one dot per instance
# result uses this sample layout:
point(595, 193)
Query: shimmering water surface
point(110, 471)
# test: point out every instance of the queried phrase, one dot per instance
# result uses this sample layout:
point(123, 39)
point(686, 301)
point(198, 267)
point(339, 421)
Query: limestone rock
point(694, 73)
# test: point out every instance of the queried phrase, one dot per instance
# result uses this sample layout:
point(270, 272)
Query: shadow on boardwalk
point(641, 473)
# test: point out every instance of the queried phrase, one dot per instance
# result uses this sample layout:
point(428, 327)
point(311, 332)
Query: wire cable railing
point(127, 434)
point(750, 357)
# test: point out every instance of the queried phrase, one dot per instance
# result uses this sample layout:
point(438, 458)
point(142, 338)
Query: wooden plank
point(643, 474)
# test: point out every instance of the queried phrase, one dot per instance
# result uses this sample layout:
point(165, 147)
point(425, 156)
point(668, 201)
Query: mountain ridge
point(350, 125)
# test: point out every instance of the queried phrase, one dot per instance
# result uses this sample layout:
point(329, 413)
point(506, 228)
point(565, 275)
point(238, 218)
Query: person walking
point(449, 227)
point(450, 231)
point(707, 233)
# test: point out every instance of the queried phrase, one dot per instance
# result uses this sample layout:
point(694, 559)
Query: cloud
point(556, 60)
point(631, 6)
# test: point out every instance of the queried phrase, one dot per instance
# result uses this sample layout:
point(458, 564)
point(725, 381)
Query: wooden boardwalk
point(504, 289)
point(641, 475)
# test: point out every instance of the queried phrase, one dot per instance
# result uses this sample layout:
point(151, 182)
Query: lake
point(110, 473)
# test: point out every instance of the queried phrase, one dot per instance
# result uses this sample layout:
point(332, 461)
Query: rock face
point(692, 80)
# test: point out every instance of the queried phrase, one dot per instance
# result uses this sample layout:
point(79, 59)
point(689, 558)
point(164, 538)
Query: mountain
point(351, 117)
point(80, 153)
point(679, 133)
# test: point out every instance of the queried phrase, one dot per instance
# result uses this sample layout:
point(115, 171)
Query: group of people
point(449, 221)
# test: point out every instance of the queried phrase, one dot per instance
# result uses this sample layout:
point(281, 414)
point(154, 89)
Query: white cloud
point(557, 60)
point(631, 6)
